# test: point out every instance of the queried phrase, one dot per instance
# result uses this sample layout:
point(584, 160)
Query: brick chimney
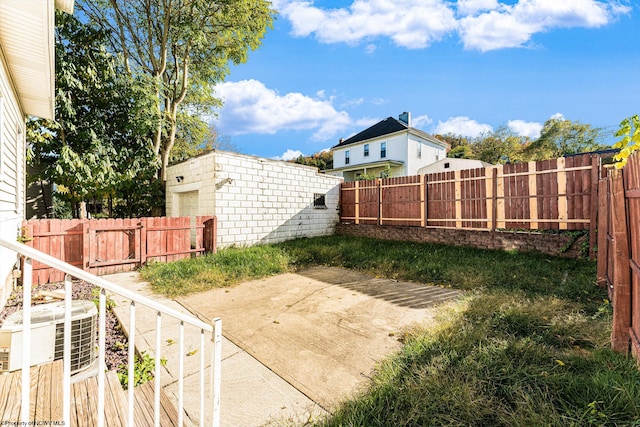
point(405, 118)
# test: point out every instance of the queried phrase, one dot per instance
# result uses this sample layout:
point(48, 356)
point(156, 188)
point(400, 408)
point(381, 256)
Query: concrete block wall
point(256, 200)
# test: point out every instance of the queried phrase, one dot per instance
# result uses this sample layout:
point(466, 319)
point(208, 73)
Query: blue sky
point(329, 69)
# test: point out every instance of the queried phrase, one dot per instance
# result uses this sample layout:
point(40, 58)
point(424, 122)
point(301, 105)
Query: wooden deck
point(46, 399)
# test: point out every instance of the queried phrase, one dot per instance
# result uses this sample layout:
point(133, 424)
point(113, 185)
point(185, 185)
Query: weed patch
point(225, 268)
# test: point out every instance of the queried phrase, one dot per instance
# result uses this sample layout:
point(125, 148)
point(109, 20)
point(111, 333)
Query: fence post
point(86, 245)
point(593, 220)
point(457, 194)
point(357, 202)
point(603, 231)
point(621, 270)
point(563, 212)
point(379, 189)
point(533, 196)
point(423, 202)
point(143, 241)
point(494, 222)
point(209, 235)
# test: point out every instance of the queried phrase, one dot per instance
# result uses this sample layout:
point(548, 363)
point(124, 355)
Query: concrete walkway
point(252, 395)
point(295, 344)
point(322, 329)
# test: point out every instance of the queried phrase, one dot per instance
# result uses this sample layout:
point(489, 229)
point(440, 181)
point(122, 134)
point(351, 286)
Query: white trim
point(1, 137)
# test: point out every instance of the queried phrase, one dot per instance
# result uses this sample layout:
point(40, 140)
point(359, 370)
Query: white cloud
point(289, 155)
point(558, 116)
point(528, 129)
point(251, 107)
point(470, 7)
point(413, 24)
point(352, 102)
point(420, 122)
point(463, 126)
point(506, 26)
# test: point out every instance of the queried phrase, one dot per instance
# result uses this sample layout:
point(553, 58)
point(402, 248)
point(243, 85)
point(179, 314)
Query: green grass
point(227, 267)
point(460, 267)
point(503, 359)
point(527, 346)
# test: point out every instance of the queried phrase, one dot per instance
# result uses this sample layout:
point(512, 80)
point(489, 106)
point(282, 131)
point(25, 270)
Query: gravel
point(115, 339)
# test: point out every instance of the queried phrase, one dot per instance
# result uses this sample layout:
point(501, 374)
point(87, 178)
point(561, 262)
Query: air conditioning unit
point(47, 336)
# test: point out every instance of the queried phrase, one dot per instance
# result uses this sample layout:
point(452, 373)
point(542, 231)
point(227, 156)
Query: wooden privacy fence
point(552, 194)
point(619, 252)
point(107, 246)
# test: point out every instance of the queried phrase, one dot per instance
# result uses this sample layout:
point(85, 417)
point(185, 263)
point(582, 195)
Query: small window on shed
point(319, 201)
point(446, 165)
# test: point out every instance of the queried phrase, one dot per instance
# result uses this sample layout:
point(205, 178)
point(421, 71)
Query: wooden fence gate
point(107, 246)
point(619, 252)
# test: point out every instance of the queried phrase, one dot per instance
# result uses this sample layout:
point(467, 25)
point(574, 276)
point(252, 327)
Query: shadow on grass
point(463, 268)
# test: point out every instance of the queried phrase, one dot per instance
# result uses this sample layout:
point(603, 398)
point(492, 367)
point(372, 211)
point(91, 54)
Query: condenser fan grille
point(83, 338)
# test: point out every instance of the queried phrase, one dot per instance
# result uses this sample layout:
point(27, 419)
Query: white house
point(390, 147)
point(27, 80)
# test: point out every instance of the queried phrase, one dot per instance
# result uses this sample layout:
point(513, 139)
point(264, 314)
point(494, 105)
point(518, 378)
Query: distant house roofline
point(388, 126)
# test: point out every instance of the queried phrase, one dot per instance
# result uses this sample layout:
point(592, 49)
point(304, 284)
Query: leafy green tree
point(195, 136)
point(498, 147)
point(323, 160)
point(98, 146)
point(560, 137)
point(630, 142)
point(460, 146)
point(183, 47)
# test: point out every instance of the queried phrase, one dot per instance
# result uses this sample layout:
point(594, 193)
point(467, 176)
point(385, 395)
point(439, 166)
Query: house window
point(419, 153)
point(346, 157)
point(366, 150)
point(447, 165)
point(319, 201)
point(383, 150)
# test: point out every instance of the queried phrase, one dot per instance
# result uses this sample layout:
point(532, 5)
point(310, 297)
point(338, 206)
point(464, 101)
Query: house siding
point(256, 200)
point(12, 175)
point(431, 153)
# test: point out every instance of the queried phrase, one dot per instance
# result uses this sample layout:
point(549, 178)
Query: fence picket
point(621, 272)
point(632, 195)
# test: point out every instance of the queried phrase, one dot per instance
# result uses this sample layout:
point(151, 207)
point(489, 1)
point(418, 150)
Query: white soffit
point(65, 6)
point(27, 43)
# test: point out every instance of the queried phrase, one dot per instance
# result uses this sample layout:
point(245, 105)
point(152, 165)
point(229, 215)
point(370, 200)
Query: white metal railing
point(214, 330)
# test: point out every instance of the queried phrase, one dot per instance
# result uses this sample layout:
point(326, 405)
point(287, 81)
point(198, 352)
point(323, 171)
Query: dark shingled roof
point(384, 127)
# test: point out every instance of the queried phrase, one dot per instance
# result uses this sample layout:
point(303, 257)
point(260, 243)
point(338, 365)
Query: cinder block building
point(256, 200)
